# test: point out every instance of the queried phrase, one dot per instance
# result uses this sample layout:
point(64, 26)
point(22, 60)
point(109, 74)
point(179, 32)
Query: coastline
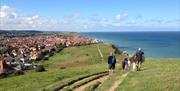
point(154, 44)
point(88, 58)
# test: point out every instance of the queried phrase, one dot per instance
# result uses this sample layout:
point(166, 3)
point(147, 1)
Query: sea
point(154, 44)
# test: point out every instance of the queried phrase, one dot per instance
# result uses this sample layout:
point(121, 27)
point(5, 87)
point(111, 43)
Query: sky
point(90, 15)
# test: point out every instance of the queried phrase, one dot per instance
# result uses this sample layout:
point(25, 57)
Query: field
point(70, 62)
point(156, 75)
point(74, 67)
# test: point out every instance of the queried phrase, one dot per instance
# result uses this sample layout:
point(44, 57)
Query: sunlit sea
point(154, 44)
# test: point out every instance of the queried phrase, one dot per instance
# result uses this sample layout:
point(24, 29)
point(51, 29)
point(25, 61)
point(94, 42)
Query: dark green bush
point(18, 72)
point(40, 68)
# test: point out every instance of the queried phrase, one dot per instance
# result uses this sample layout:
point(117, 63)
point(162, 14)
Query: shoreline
point(156, 47)
point(72, 62)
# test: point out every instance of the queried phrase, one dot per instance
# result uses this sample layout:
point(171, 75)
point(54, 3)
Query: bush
point(58, 50)
point(3, 75)
point(46, 57)
point(53, 49)
point(45, 52)
point(40, 68)
point(51, 54)
point(3, 50)
point(117, 51)
point(40, 57)
point(18, 72)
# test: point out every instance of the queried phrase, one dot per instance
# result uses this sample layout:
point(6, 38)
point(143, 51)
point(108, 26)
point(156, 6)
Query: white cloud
point(104, 19)
point(7, 13)
point(5, 7)
point(120, 17)
point(10, 19)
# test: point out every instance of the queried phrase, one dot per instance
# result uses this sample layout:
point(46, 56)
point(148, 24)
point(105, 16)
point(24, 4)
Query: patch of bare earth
point(101, 80)
point(118, 82)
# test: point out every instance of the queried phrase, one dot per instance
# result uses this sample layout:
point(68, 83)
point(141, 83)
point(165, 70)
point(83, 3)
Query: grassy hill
point(156, 75)
point(75, 62)
point(71, 62)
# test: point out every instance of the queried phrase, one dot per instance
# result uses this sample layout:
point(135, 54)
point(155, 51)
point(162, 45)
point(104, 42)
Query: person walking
point(127, 60)
point(111, 62)
point(124, 64)
point(139, 58)
point(129, 64)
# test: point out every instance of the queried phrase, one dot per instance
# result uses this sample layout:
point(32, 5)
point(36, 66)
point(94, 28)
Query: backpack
point(113, 60)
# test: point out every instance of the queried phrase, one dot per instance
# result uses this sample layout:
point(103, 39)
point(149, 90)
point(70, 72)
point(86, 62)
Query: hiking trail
point(101, 80)
point(118, 82)
point(100, 52)
point(81, 84)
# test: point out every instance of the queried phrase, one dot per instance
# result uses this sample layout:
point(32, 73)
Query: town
point(19, 50)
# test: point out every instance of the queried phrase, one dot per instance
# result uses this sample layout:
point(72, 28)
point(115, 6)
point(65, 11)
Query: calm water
point(154, 44)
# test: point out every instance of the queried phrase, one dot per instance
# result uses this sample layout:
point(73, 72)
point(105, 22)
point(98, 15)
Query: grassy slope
point(110, 81)
point(156, 75)
point(73, 59)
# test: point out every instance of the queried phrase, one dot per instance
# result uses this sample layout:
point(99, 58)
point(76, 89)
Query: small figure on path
point(111, 62)
point(124, 63)
point(128, 64)
point(139, 58)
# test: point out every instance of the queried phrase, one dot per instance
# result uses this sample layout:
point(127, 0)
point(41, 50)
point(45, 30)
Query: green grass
point(110, 81)
point(77, 61)
point(34, 81)
point(81, 55)
point(156, 75)
point(161, 74)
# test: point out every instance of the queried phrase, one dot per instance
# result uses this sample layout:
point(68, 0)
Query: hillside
point(71, 62)
point(82, 68)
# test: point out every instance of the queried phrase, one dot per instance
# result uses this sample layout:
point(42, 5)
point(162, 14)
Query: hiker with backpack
point(111, 62)
point(139, 58)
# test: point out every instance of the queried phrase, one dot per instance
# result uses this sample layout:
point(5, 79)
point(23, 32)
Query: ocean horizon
point(155, 44)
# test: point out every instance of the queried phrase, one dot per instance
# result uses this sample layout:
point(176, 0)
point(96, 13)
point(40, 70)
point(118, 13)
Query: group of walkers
point(128, 62)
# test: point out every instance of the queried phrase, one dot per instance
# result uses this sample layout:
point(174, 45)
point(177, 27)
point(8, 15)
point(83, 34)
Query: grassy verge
point(71, 62)
point(110, 81)
point(156, 75)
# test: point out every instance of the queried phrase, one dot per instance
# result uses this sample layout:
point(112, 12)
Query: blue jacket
point(111, 59)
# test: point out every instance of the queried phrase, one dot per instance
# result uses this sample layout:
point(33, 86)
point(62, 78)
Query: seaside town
point(19, 51)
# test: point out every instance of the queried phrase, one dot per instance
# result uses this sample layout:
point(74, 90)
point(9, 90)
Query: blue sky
point(90, 15)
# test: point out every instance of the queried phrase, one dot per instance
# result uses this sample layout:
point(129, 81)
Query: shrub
point(40, 57)
point(45, 52)
point(60, 48)
point(3, 75)
point(53, 49)
point(117, 51)
point(18, 72)
point(46, 57)
point(40, 68)
point(51, 54)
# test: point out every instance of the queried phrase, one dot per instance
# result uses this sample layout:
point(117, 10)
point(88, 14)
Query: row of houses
point(27, 49)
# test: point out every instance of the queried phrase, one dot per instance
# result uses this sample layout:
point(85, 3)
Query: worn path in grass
point(117, 82)
point(87, 83)
point(101, 80)
point(83, 81)
point(100, 53)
